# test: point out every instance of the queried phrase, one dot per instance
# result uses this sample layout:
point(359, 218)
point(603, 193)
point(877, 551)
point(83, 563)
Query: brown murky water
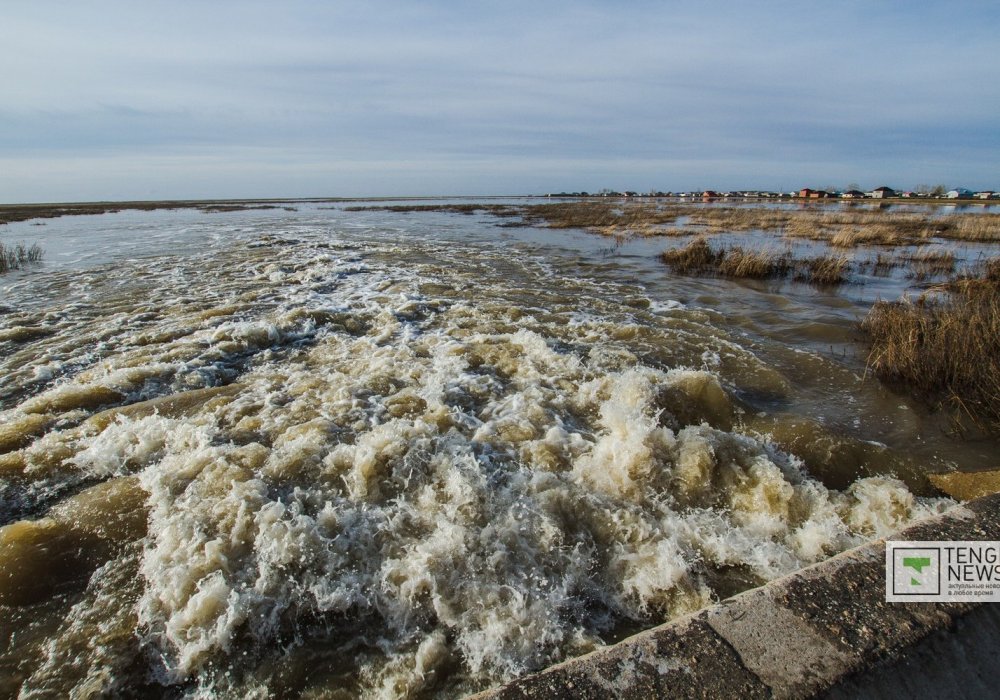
point(324, 453)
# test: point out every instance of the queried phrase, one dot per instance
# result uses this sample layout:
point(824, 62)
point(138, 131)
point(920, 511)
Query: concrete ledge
point(798, 636)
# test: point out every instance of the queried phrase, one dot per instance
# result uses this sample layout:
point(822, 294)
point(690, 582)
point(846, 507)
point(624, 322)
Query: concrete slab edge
point(797, 636)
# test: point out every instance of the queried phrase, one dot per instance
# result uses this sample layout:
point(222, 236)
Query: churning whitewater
point(328, 461)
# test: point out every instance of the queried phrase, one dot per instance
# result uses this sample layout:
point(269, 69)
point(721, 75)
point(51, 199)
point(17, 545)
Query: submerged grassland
point(846, 243)
point(943, 346)
point(841, 226)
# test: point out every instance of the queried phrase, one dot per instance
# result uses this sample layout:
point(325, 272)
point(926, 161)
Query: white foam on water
point(441, 489)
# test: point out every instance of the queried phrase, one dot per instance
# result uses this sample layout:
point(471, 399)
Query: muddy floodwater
point(322, 453)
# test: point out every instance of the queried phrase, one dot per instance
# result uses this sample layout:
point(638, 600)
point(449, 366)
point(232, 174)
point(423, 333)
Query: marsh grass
point(720, 219)
point(14, 257)
point(607, 217)
point(839, 227)
point(881, 265)
point(824, 270)
point(698, 257)
point(759, 264)
point(944, 346)
point(934, 262)
point(971, 227)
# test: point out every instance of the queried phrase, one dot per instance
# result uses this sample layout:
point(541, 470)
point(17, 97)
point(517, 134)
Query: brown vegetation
point(603, 216)
point(971, 227)
point(14, 257)
point(761, 264)
point(825, 270)
point(933, 262)
point(698, 257)
point(719, 219)
point(11, 213)
point(222, 208)
point(946, 347)
point(842, 227)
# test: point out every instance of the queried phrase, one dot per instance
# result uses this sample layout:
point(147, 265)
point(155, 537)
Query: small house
point(808, 193)
point(959, 193)
point(853, 194)
point(882, 193)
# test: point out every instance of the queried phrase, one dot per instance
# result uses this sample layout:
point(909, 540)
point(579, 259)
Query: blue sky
point(127, 100)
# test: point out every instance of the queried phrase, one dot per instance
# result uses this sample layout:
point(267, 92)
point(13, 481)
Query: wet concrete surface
point(823, 631)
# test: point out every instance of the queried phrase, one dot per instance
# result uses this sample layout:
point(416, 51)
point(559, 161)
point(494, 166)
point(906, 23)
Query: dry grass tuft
point(869, 234)
point(763, 264)
point(934, 262)
point(825, 270)
point(696, 257)
point(14, 257)
point(991, 270)
point(946, 350)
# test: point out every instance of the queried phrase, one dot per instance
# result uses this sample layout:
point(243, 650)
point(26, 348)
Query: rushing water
point(322, 453)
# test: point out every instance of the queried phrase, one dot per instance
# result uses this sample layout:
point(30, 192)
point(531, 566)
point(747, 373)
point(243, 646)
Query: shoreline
point(29, 211)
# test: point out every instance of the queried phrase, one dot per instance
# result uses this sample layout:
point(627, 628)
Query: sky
point(109, 100)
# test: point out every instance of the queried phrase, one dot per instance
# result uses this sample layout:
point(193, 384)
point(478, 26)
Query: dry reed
point(696, 257)
point(761, 264)
point(929, 263)
point(943, 349)
point(825, 270)
point(14, 257)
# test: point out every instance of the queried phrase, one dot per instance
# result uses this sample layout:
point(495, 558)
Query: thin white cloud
point(726, 90)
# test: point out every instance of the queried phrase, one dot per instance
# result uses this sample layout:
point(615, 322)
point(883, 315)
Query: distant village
point(805, 193)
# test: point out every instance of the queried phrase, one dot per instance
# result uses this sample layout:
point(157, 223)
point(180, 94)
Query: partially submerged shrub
point(761, 264)
point(825, 269)
point(944, 349)
point(932, 263)
point(14, 257)
point(696, 256)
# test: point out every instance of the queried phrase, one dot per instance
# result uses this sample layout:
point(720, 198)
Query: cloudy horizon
point(117, 101)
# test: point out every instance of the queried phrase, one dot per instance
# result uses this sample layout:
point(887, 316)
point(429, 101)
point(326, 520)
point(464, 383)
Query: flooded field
point(326, 453)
